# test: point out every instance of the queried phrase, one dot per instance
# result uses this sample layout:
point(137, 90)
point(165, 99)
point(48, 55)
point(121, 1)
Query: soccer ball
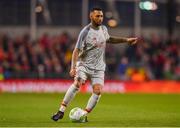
point(77, 115)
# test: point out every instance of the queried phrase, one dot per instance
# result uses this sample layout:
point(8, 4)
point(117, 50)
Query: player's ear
point(91, 15)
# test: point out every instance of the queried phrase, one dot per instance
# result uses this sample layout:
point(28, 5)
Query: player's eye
point(99, 16)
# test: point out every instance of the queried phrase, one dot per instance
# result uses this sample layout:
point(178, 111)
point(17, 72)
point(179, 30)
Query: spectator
point(122, 68)
point(156, 58)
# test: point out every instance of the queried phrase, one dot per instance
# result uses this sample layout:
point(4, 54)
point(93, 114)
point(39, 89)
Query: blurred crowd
point(50, 57)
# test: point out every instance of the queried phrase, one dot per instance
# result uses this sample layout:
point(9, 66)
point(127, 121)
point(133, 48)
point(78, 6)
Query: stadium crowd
point(50, 57)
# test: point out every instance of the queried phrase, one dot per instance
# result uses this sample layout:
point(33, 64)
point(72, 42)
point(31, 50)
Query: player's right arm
point(74, 61)
point(76, 51)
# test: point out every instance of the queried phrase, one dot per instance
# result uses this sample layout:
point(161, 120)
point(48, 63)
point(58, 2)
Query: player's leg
point(97, 81)
point(93, 100)
point(79, 80)
point(71, 92)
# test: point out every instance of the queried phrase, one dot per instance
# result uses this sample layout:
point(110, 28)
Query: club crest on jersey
point(96, 43)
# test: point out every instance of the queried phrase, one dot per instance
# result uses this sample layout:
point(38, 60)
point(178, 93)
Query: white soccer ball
point(77, 115)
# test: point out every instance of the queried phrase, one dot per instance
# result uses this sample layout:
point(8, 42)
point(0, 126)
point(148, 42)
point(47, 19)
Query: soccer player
point(88, 61)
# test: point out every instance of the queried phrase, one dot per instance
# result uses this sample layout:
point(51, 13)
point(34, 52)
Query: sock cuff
point(87, 110)
point(64, 104)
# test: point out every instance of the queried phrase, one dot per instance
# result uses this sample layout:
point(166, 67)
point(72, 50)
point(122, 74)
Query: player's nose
point(100, 20)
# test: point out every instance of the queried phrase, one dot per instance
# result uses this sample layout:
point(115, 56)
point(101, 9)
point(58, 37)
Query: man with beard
point(88, 61)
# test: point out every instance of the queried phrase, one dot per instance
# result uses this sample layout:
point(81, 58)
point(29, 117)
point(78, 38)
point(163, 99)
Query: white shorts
point(95, 76)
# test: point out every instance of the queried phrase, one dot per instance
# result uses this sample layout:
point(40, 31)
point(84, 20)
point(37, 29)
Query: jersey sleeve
point(81, 38)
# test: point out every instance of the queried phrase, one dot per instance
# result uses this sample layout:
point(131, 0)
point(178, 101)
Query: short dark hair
point(96, 9)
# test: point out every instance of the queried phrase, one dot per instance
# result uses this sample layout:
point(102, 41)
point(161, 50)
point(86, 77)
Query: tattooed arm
point(117, 40)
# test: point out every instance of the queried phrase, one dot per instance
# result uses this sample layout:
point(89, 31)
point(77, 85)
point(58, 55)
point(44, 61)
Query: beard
point(97, 24)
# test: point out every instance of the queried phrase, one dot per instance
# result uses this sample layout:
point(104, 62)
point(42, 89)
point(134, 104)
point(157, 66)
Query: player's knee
point(97, 89)
point(78, 82)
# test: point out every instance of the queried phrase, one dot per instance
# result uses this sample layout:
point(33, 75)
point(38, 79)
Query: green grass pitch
point(113, 110)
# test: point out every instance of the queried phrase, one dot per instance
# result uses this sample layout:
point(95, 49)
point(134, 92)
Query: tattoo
point(116, 40)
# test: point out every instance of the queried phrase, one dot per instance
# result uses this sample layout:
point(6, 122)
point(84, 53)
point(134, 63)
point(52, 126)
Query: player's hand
point(72, 72)
point(132, 41)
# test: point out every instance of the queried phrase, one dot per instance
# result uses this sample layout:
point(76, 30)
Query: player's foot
point(84, 117)
point(85, 120)
point(57, 116)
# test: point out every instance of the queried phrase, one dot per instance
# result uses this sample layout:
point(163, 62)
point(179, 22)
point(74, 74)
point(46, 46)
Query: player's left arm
point(117, 40)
